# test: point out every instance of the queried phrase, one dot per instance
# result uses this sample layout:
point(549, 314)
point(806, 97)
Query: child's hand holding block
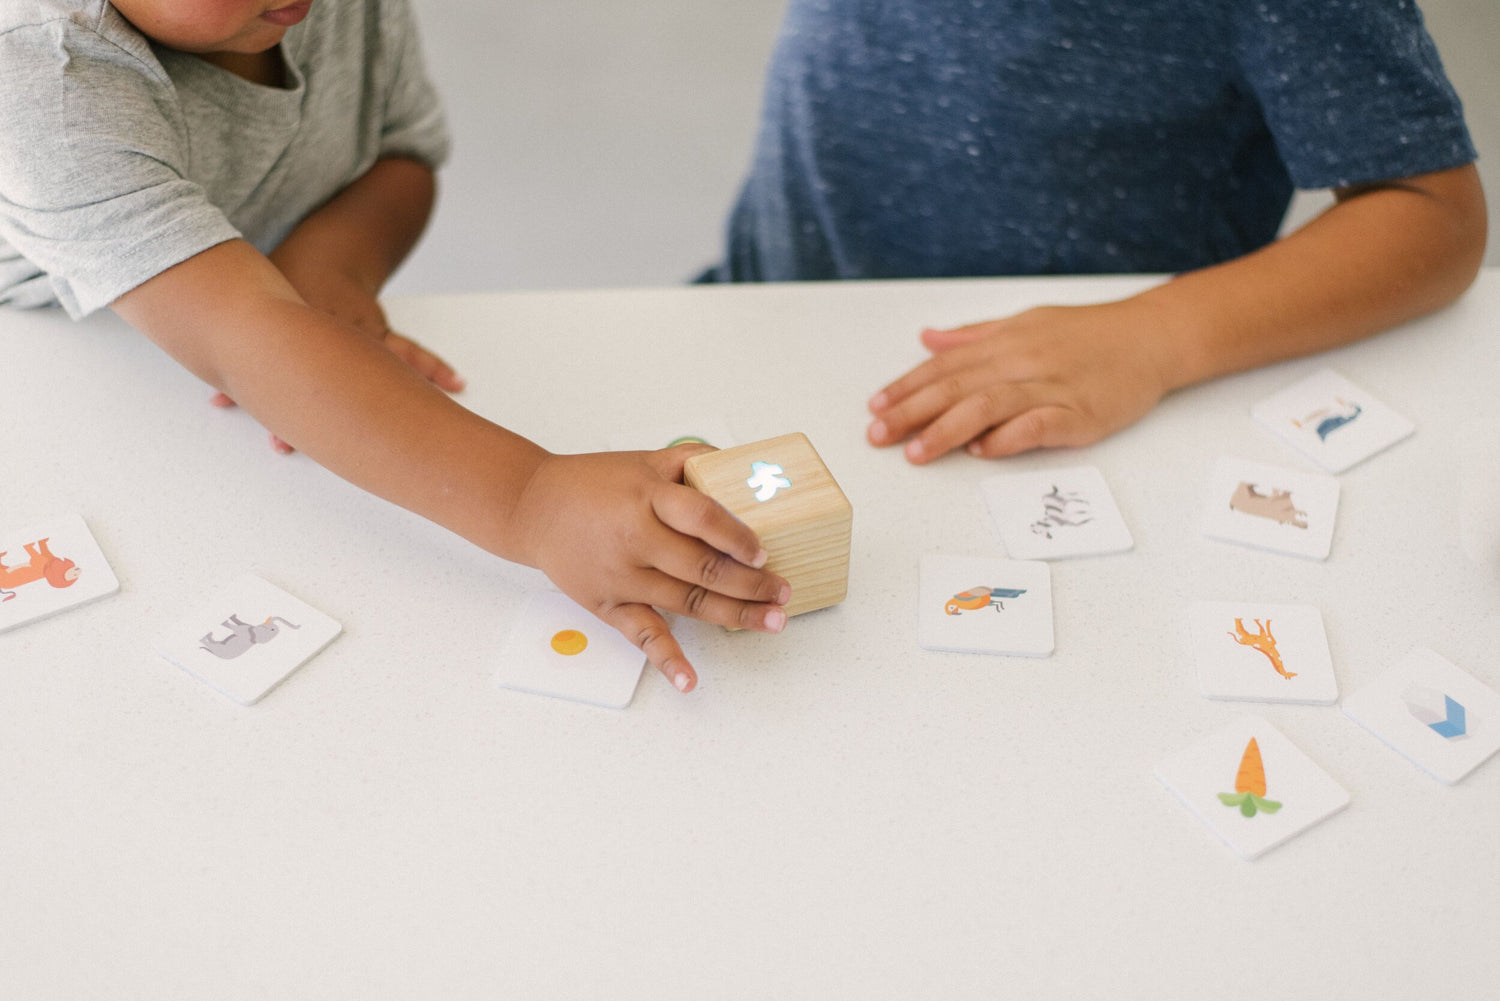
point(782, 490)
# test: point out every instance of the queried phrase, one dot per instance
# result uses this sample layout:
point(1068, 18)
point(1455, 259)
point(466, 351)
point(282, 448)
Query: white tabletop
point(834, 813)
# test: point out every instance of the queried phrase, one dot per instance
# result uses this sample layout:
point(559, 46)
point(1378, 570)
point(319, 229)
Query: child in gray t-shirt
point(237, 180)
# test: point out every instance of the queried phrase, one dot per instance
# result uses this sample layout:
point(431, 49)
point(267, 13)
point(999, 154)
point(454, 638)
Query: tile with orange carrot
point(1252, 786)
point(1260, 652)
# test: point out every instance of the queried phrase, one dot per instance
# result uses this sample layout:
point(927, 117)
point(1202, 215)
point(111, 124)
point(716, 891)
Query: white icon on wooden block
point(806, 532)
point(765, 479)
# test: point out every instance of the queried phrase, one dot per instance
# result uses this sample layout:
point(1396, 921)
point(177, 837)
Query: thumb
point(671, 461)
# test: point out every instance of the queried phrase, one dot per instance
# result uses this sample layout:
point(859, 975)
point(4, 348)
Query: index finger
point(645, 627)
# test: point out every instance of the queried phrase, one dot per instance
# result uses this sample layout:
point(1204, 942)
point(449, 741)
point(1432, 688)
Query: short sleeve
point(414, 125)
point(1353, 92)
point(92, 159)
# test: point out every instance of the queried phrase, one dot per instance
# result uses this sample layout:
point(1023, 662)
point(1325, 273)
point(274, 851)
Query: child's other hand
point(1046, 378)
point(223, 400)
point(619, 533)
point(342, 297)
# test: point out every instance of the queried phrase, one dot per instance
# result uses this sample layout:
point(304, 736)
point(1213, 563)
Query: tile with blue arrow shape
point(1435, 713)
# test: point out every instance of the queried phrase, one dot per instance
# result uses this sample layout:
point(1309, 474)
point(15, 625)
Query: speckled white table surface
point(834, 813)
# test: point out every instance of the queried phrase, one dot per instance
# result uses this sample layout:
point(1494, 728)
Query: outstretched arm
point(340, 256)
point(1067, 376)
point(614, 531)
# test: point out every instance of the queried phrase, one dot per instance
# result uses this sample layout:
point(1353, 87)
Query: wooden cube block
point(782, 490)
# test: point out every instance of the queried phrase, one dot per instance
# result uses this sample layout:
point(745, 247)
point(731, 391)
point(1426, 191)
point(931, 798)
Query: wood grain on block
point(783, 491)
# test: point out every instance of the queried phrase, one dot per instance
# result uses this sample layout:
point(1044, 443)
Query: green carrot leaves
point(1249, 803)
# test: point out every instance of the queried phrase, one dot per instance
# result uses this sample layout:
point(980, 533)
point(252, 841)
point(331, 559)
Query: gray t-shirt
point(120, 158)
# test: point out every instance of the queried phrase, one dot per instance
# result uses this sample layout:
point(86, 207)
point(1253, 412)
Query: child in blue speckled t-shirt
point(951, 137)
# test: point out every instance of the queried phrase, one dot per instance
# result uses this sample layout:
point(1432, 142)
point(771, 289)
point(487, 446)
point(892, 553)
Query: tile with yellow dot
point(557, 648)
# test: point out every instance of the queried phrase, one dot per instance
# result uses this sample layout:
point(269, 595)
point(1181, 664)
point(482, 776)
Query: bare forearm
point(368, 228)
point(338, 396)
point(1379, 257)
point(357, 410)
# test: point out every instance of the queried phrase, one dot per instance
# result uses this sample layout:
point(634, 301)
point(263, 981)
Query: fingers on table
point(424, 362)
point(949, 413)
point(917, 398)
point(1039, 427)
point(277, 444)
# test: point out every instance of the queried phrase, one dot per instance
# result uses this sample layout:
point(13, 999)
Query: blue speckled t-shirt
point(969, 137)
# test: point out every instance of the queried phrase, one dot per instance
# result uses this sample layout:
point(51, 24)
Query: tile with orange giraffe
point(1261, 652)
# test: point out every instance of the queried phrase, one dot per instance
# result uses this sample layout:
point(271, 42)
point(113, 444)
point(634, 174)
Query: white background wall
point(600, 143)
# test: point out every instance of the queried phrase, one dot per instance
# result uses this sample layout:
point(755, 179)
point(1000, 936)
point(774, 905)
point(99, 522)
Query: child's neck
point(266, 68)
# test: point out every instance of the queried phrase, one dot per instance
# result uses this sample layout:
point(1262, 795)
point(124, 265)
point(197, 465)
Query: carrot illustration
point(1251, 777)
point(1250, 785)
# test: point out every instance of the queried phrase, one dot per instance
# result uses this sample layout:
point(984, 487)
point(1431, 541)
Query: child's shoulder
point(68, 26)
point(60, 61)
